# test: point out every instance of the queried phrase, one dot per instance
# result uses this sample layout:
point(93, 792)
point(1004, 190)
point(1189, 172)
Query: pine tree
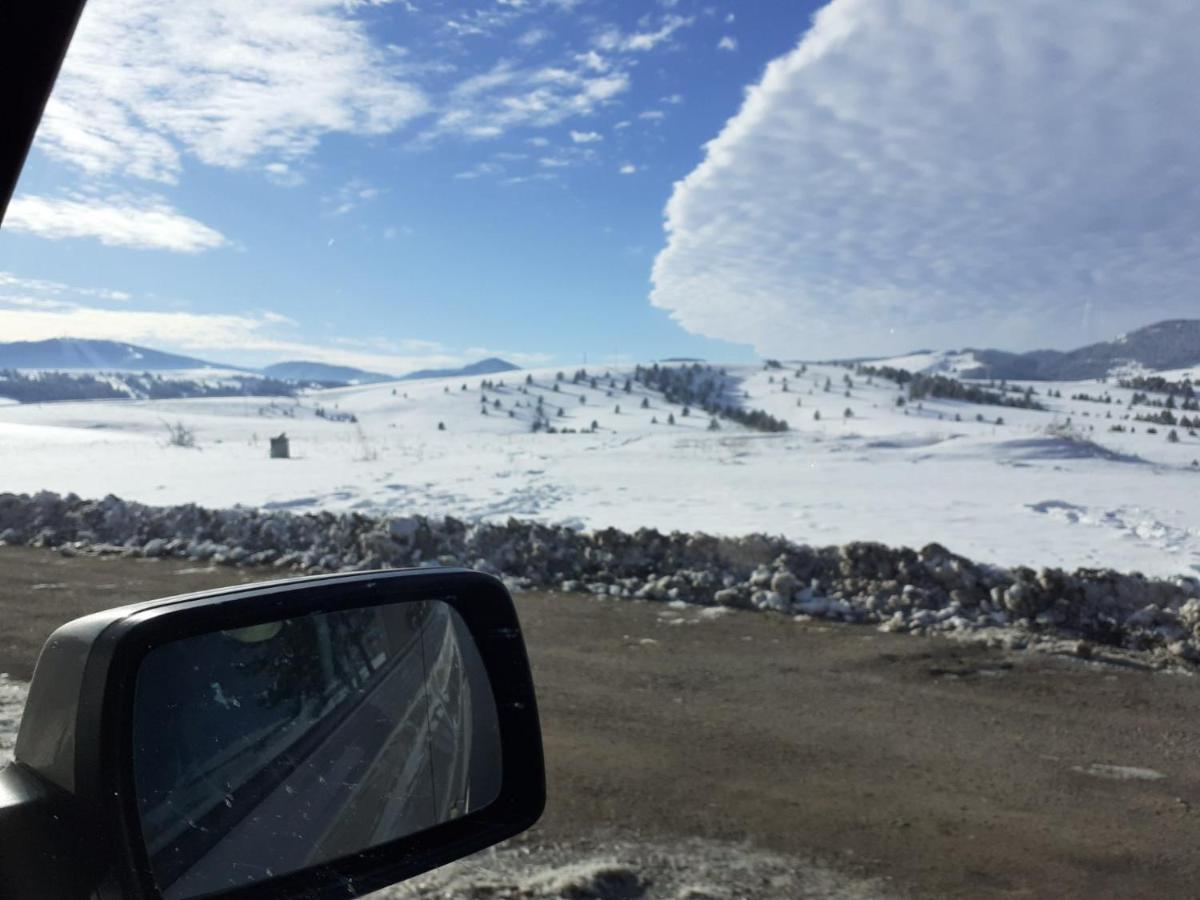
point(816, 415)
point(671, 419)
point(645, 403)
point(441, 426)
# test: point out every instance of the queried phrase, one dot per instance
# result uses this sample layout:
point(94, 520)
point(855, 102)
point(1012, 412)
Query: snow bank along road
point(871, 764)
point(1030, 490)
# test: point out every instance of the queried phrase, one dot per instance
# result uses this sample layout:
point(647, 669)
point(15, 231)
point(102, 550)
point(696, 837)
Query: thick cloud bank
point(940, 173)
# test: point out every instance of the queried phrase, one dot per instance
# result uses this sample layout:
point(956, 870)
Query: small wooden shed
point(279, 447)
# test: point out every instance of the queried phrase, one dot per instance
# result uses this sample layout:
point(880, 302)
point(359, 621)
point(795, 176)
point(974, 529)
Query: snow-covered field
point(1032, 490)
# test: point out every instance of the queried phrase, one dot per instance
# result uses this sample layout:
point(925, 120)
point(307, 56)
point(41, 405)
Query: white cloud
point(282, 174)
point(586, 137)
point(673, 99)
point(613, 40)
point(727, 43)
point(117, 221)
point(933, 174)
point(652, 115)
point(533, 37)
point(479, 170)
point(10, 282)
point(147, 81)
point(491, 103)
point(350, 196)
point(627, 169)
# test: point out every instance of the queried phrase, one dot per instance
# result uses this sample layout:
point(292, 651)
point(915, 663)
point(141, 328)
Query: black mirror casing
point(69, 823)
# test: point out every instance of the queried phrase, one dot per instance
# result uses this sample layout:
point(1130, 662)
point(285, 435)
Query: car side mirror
point(317, 737)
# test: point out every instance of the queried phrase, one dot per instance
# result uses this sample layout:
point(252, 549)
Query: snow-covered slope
point(1035, 487)
point(933, 362)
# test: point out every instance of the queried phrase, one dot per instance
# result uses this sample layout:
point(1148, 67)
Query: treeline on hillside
point(706, 388)
point(50, 387)
point(1156, 384)
point(920, 386)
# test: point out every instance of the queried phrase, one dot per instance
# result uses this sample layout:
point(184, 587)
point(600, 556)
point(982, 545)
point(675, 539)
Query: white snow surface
point(932, 362)
point(1033, 490)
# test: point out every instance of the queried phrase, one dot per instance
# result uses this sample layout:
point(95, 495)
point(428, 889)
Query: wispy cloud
point(491, 103)
point(627, 169)
point(613, 39)
point(350, 196)
point(117, 221)
point(727, 42)
point(586, 137)
point(533, 37)
point(904, 177)
point(226, 83)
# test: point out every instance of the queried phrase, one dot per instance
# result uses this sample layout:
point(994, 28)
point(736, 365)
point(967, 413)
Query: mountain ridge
point(58, 354)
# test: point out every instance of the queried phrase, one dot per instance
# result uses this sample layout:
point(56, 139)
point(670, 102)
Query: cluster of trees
point(706, 388)
point(1166, 417)
point(1107, 398)
point(335, 415)
point(49, 387)
point(1141, 398)
point(1156, 384)
point(943, 387)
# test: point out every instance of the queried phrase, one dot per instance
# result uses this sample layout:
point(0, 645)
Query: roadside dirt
point(932, 768)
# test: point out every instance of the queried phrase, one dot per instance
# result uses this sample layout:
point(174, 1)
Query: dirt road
point(942, 769)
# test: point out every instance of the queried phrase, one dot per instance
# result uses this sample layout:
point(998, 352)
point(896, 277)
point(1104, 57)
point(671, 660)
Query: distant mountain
point(75, 353)
point(490, 366)
point(1174, 344)
point(300, 370)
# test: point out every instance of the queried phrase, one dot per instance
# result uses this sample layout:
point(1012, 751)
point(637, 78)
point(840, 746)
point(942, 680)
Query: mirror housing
point(69, 818)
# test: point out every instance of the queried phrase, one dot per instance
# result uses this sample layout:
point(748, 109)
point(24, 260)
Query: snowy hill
point(1172, 344)
point(1087, 481)
point(493, 365)
point(927, 362)
point(302, 370)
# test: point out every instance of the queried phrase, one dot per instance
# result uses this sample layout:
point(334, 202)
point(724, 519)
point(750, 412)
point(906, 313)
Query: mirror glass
point(265, 750)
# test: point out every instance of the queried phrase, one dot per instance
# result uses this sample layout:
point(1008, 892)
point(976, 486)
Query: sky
point(398, 184)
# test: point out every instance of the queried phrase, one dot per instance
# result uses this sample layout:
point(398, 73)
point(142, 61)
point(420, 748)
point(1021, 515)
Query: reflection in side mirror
point(265, 750)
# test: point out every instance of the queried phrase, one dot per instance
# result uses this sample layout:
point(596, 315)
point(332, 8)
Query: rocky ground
point(700, 751)
point(929, 591)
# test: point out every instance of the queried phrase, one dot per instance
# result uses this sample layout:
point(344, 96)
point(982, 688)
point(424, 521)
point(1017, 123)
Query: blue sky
point(525, 239)
point(404, 183)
